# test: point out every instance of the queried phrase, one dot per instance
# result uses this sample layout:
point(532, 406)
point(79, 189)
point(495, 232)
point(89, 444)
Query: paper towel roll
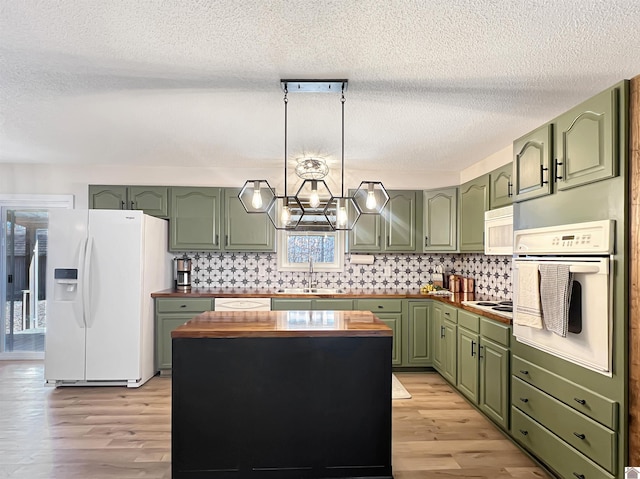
point(361, 259)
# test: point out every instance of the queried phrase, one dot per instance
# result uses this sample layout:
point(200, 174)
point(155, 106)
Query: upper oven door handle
point(576, 265)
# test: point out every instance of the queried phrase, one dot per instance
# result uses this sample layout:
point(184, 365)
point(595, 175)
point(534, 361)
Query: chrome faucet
point(311, 285)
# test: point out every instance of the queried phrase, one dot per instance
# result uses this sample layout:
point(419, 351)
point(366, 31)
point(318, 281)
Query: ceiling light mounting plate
point(314, 86)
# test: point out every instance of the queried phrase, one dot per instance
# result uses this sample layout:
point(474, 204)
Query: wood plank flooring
point(114, 432)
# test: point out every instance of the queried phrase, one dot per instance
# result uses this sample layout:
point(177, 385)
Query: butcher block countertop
point(267, 324)
point(454, 300)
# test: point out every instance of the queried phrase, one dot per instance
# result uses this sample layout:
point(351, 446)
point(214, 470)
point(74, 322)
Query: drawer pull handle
point(524, 399)
point(473, 348)
point(579, 436)
point(579, 476)
point(446, 314)
point(442, 331)
point(380, 306)
point(183, 305)
point(524, 371)
point(580, 401)
point(524, 432)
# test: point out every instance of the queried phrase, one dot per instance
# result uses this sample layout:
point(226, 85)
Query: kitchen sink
point(310, 291)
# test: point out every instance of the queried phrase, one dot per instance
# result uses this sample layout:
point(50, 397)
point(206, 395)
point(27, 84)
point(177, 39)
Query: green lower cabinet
point(468, 365)
point(171, 313)
point(394, 321)
point(450, 351)
point(494, 382)
point(444, 334)
point(418, 336)
point(286, 304)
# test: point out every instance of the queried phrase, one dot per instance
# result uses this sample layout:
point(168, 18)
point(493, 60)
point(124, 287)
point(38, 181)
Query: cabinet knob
point(579, 435)
point(183, 305)
point(580, 401)
point(380, 306)
point(524, 432)
point(524, 371)
point(524, 400)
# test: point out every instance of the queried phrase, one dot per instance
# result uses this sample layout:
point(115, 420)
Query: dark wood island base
point(278, 395)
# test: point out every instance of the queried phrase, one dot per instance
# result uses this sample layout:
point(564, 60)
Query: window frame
point(339, 252)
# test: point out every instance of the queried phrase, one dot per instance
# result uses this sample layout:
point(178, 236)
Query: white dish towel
point(528, 308)
point(555, 291)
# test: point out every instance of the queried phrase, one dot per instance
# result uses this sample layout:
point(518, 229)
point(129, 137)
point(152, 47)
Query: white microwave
point(498, 231)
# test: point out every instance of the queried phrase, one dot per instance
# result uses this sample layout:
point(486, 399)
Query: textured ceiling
point(433, 84)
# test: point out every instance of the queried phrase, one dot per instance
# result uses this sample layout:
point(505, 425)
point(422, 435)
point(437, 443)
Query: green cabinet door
point(501, 186)
point(152, 200)
point(366, 235)
point(449, 352)
point(440, 221)
point(587, 141)
point(532, 164)
point(437, 333)
point(334, 304)
point(103, 197)
point(473, 202)
point(195, 219)
point(403, 221)
point(494, 399)
point(394, 321)
point(468, 373)
point(419, 343)
point(165, 325)
point(245, 231)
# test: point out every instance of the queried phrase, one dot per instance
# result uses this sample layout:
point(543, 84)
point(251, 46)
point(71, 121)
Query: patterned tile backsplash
point(258, 272)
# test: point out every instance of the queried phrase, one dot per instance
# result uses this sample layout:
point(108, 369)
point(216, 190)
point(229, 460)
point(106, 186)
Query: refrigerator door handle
point(86, 277)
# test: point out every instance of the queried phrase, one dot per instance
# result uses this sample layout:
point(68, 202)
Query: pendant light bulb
point(256, 200)
point(371, 198)
point(341, 220)
point(285, 215)
point(314, 198)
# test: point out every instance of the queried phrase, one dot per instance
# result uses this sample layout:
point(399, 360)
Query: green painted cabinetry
point(311, 304)
point(213, 219)
point(245, 231)
point(468, 348)
point(171, 313)
point(473, 201)
point(153, 200)
point(578, 147)
point(398, 229)
point(440, 208)
point(494, 398)
point(195, 223)
point(419, 343)
point(391, 312)
point(445, 332)
point(501, 186)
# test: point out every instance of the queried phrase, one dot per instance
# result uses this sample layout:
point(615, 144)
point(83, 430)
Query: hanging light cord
point(342, 100)
point(286, 101)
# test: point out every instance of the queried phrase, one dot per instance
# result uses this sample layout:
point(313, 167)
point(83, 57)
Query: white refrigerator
point(102, 266)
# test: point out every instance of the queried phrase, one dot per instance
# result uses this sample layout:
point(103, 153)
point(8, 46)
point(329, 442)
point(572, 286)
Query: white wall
point(491, 162)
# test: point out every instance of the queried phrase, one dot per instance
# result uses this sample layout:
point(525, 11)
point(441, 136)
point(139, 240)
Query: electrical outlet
point(387, 271)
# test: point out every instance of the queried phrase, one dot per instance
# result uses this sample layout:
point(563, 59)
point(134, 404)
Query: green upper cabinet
point(152, 200)
point(195, 223)
point(398, 229)
point(580, 146)
point(532, 164)
point(245, 231)
point(366, 234)
point(440, 209)
point(473, 201)
point(586, 141)
point(501, 186)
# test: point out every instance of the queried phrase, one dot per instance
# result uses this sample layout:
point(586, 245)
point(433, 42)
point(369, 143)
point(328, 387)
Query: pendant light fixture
point(313, 208)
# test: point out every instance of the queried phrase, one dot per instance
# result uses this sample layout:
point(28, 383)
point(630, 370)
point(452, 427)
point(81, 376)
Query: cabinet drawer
point(469, 321)
point(379, 305)
point(589, 437)
point(561, 457)
point(332, 304)
point(599, 408)
point(497, 332)
point(181, 305)
point(449, 313)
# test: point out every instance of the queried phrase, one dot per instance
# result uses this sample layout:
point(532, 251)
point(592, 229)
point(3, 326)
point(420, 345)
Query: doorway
point(23, 264)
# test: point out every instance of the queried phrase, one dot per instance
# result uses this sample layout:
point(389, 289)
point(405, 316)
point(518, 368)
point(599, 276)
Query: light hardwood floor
point(114, 432)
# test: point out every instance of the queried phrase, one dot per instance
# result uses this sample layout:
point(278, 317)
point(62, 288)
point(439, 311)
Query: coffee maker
point(182, 275)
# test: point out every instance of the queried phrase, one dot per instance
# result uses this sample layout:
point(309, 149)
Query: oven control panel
point(594, 237)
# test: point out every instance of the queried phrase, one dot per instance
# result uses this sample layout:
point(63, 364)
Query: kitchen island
point(282, 394)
